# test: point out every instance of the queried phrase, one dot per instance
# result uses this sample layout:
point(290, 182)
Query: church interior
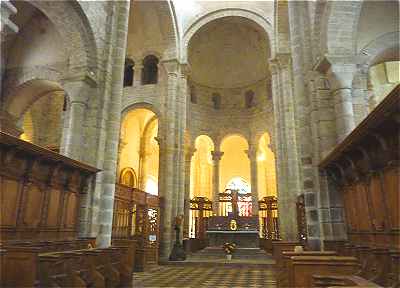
point(185, 143)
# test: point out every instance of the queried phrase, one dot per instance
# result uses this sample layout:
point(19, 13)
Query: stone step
point(240, 253)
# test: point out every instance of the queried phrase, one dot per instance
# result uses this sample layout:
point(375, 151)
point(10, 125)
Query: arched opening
point(378, 41)
point(234, 162)
point(128, 177)
point(139, 148)
point(129, 72)
point(202, 168)
point(150, 70)
point(42, 123)
point(266, 169)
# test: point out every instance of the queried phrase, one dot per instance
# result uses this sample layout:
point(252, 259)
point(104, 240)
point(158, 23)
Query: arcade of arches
point(176, 126)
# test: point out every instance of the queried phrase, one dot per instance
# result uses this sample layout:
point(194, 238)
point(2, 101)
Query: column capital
point(87, 77)
point(217, 155)
point(252, 152)
point(171, 66)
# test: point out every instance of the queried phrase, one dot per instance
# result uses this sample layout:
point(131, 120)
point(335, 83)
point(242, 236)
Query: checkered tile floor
point(213, 277)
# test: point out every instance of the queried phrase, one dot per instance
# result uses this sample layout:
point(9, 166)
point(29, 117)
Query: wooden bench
point(377, 267)
point(85, 268)
point(302, 268)
point(283, 272)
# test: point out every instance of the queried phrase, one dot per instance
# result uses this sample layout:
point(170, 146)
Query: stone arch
point(165, 12)
point(228, 135)
point(141, 105)
point(73, 25)
point(205, 136)
point(27, 93)
point(202, 20)
point(338, 37)
point(373, 52)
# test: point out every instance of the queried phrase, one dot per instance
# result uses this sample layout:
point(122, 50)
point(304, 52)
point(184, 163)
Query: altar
point(243, 231)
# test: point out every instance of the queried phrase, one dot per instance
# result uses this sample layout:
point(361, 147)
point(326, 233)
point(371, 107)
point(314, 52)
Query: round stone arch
point(74, 27)
point(141, 105)
point(372, 52)
point(221, 140)
point(167, 11)
point(338, 37)
point(222, 13)
point(25, 94)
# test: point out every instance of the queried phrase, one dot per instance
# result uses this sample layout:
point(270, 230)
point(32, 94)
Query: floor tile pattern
point(213, 277)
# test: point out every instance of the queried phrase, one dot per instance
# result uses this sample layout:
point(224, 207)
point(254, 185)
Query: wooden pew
point(302, 268)
point(279, 246)
point(283, 272)
point(375, 268)
point(85, 268)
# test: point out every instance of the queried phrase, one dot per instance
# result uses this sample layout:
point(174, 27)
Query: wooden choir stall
point(363, 173)
point(136, 220)
point(42, 196)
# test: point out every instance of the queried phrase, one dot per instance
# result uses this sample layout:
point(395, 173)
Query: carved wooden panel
point(54, 208)
point(9, 198)
point(391, 186)
point(33, 204)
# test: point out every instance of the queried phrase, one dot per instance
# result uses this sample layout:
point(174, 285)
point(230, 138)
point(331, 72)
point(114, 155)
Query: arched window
point(249, 99)
point(128, 177)
point(216, 99)
point(129, 72)
point(150, 70)
point(193, 96)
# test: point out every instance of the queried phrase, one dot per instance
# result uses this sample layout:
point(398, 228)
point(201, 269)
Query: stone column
point(216, 157)
point(341, 79)
point(119, 36)
point(172, 153)
point(252, 154)
point(360, 95)
point(188, 160)
point(137, 76)
point(78, 91)
point(288, 162)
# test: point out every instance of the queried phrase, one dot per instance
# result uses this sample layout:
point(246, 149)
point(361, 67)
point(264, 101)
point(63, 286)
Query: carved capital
point(171, 66)
point(216, 155)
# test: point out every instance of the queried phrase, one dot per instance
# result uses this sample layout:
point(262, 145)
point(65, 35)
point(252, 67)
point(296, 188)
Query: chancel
point(185, 143)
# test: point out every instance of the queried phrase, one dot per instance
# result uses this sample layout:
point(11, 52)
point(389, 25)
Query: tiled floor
point(214, 277)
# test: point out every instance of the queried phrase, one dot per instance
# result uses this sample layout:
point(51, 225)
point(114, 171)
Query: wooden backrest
point(39, 192)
